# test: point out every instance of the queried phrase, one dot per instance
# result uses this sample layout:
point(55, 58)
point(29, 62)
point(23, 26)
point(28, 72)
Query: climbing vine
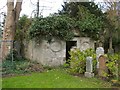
point(52, 27)
point(62, 26)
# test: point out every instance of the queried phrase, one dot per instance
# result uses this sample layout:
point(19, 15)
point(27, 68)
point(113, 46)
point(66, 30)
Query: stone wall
point(54, 53)
point(49, 54)
point(84, 42)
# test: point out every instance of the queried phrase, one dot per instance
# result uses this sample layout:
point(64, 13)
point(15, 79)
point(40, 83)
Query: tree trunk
point(10, 26)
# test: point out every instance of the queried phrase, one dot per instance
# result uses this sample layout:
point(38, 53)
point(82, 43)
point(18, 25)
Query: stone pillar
point(89, 67)
point(99, 52)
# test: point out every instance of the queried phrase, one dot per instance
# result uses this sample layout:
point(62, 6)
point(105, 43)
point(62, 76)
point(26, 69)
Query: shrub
point(9, 67)
point(14, 64)
point(78, 60)
point(112, 64)
point(13, 54)
point(20, 66)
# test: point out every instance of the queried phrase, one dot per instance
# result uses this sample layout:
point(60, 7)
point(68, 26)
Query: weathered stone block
point(89, 74)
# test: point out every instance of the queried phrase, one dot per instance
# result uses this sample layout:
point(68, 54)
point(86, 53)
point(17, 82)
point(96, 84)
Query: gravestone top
point(100, 50)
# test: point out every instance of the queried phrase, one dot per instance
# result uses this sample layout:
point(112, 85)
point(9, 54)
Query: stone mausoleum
point(56, 52)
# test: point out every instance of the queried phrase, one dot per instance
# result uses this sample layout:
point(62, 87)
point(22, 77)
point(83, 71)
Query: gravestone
point(17, 48)
point(89, 68)
point(99, 52)
point(102, 66)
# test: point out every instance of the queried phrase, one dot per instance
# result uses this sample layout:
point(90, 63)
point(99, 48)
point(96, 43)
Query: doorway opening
point(69, 45)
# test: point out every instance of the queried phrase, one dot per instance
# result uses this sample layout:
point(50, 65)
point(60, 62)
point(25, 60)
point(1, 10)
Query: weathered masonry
point(56, 52)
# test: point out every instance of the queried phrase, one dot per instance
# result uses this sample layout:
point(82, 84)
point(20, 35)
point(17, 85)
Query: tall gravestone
point(99, 52)
point(89, 67)
point(17, 48)
point(102, 66)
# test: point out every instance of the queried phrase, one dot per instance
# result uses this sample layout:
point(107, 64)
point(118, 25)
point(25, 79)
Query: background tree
point(10, 25)
point(112, 23)
point(72, 8)
point(110, 28)
point(89, 24)
point(89, 18)
point(21, 33)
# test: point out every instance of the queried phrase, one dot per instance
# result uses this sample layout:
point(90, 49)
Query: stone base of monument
point(89, 74)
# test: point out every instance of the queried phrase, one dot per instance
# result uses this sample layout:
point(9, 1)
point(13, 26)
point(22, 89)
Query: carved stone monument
point(89, 68)
point(102, 66)
point(99, 52)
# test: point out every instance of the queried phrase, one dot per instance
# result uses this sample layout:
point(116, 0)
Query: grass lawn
point(52, 79)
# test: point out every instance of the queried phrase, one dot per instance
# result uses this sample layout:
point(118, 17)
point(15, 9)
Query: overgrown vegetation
point(113, 66)
point(89, 18)
point(89, 24)
point(23, 28)
point(61, 26)
point(78, 60)
point(56, 26)
point(20, 67)
point(13, 65)
point(100, 25)
point(21, 34)
point(78, 63)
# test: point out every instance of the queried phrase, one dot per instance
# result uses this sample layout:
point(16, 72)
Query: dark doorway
point(69, 45)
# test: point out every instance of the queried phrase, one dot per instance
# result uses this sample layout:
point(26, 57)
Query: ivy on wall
point(62, 26)
point(56, 26)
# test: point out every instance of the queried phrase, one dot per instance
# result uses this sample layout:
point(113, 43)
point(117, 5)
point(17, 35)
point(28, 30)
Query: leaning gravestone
point(99, 52)
point(89, 68)
point(102, 66)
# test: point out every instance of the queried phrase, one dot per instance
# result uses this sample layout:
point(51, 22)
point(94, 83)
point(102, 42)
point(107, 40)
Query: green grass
point(52, 79)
